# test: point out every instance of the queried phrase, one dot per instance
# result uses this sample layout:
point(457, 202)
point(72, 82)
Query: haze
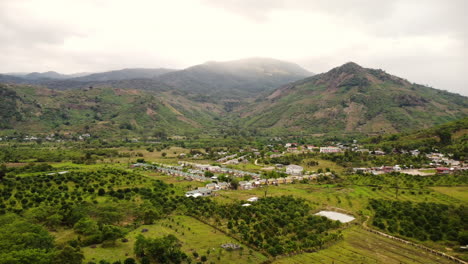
point(424, 41)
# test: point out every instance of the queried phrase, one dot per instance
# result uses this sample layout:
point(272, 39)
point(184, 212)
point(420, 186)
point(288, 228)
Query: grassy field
point(459, 192)
point(352, 198)
point(194, 235)
point(360, 246)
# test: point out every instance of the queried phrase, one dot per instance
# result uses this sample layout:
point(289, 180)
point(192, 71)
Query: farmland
point(360, 246)
point(195, 236)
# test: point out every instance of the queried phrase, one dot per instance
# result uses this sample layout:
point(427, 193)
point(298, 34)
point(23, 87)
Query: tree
point(130, 261)
point(86, 226)
point(68, 255)
point(111, 233)
point(160, 250)
point(3, 171)
point(24, 242)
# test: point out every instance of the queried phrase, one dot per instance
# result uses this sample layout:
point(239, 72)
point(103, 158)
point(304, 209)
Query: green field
point(352, 198)
point(360, 246)
point(194, 235)
point(459, 192)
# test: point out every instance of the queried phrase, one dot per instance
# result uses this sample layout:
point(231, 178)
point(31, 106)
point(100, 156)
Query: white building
point(330, 150)
point(294, 169)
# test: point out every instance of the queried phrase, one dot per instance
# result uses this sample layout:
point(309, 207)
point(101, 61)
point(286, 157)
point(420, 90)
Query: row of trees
point(423, 221)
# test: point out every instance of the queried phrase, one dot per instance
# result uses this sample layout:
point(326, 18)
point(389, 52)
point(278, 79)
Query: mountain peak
point(349, 67)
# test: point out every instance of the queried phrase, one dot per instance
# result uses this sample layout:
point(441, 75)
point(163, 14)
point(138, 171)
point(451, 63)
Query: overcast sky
point(424, 41)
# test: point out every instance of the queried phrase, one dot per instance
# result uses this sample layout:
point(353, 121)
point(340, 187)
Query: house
point(292, 149)
point(281, 180)
point(212, 186)
point(311, 147)
point(214, 168)
point(294, 169)
point(330, 150)
point(245, 185)
point(271, 181)
point(379, 152)
point(200, 192)
point(223, 185)
point(387, 169)
point(443, 170)
point(246, 204)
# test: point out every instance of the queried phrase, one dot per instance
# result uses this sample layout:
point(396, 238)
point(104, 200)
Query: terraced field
point(360, 246)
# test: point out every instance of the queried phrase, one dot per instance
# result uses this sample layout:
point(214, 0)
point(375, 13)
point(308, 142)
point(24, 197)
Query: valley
point(231, 162)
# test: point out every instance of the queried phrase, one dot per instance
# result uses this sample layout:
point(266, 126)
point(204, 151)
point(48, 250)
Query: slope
point(351, 98)
point(104, 111)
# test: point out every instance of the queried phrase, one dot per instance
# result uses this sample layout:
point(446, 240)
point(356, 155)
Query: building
point(330, 150)
point(443, 170)
point(200, 192)
point(294, 169)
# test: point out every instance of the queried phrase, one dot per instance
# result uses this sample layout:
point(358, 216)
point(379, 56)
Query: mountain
point(4, 78)
point(238, 79)
point(45, 75)
point(125, 74)
point(351, 99)
point(104, 111)
point(234, 79)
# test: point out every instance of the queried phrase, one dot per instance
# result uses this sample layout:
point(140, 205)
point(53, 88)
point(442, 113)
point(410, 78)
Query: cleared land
point(360, 246)
point(194, 235)
point(352, 198)
point(459, 192)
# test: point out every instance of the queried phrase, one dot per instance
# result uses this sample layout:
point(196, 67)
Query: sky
point(424, 41)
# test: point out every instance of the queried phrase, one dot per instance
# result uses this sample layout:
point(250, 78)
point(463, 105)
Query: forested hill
point(105, 111)
point(351, 98)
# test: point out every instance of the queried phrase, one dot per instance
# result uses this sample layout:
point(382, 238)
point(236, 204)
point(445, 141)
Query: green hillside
point(353, 99)
point(104, 111)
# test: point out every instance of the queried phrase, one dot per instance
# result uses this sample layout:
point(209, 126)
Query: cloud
point(422, 40)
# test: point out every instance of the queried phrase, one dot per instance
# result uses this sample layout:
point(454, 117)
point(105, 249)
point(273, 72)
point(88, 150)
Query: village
point(219, 175)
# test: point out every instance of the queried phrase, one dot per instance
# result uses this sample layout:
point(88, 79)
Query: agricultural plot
point(360, 246)
point(194, 235)
point(352, 198)
point(459, 192)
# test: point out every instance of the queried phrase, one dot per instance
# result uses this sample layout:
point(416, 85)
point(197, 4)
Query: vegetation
point(422, 221)
point(276, 225)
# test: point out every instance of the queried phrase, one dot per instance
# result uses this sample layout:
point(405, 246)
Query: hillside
point(451, 137)
point(104, 111)
point(235, 79)
point(350, 99)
